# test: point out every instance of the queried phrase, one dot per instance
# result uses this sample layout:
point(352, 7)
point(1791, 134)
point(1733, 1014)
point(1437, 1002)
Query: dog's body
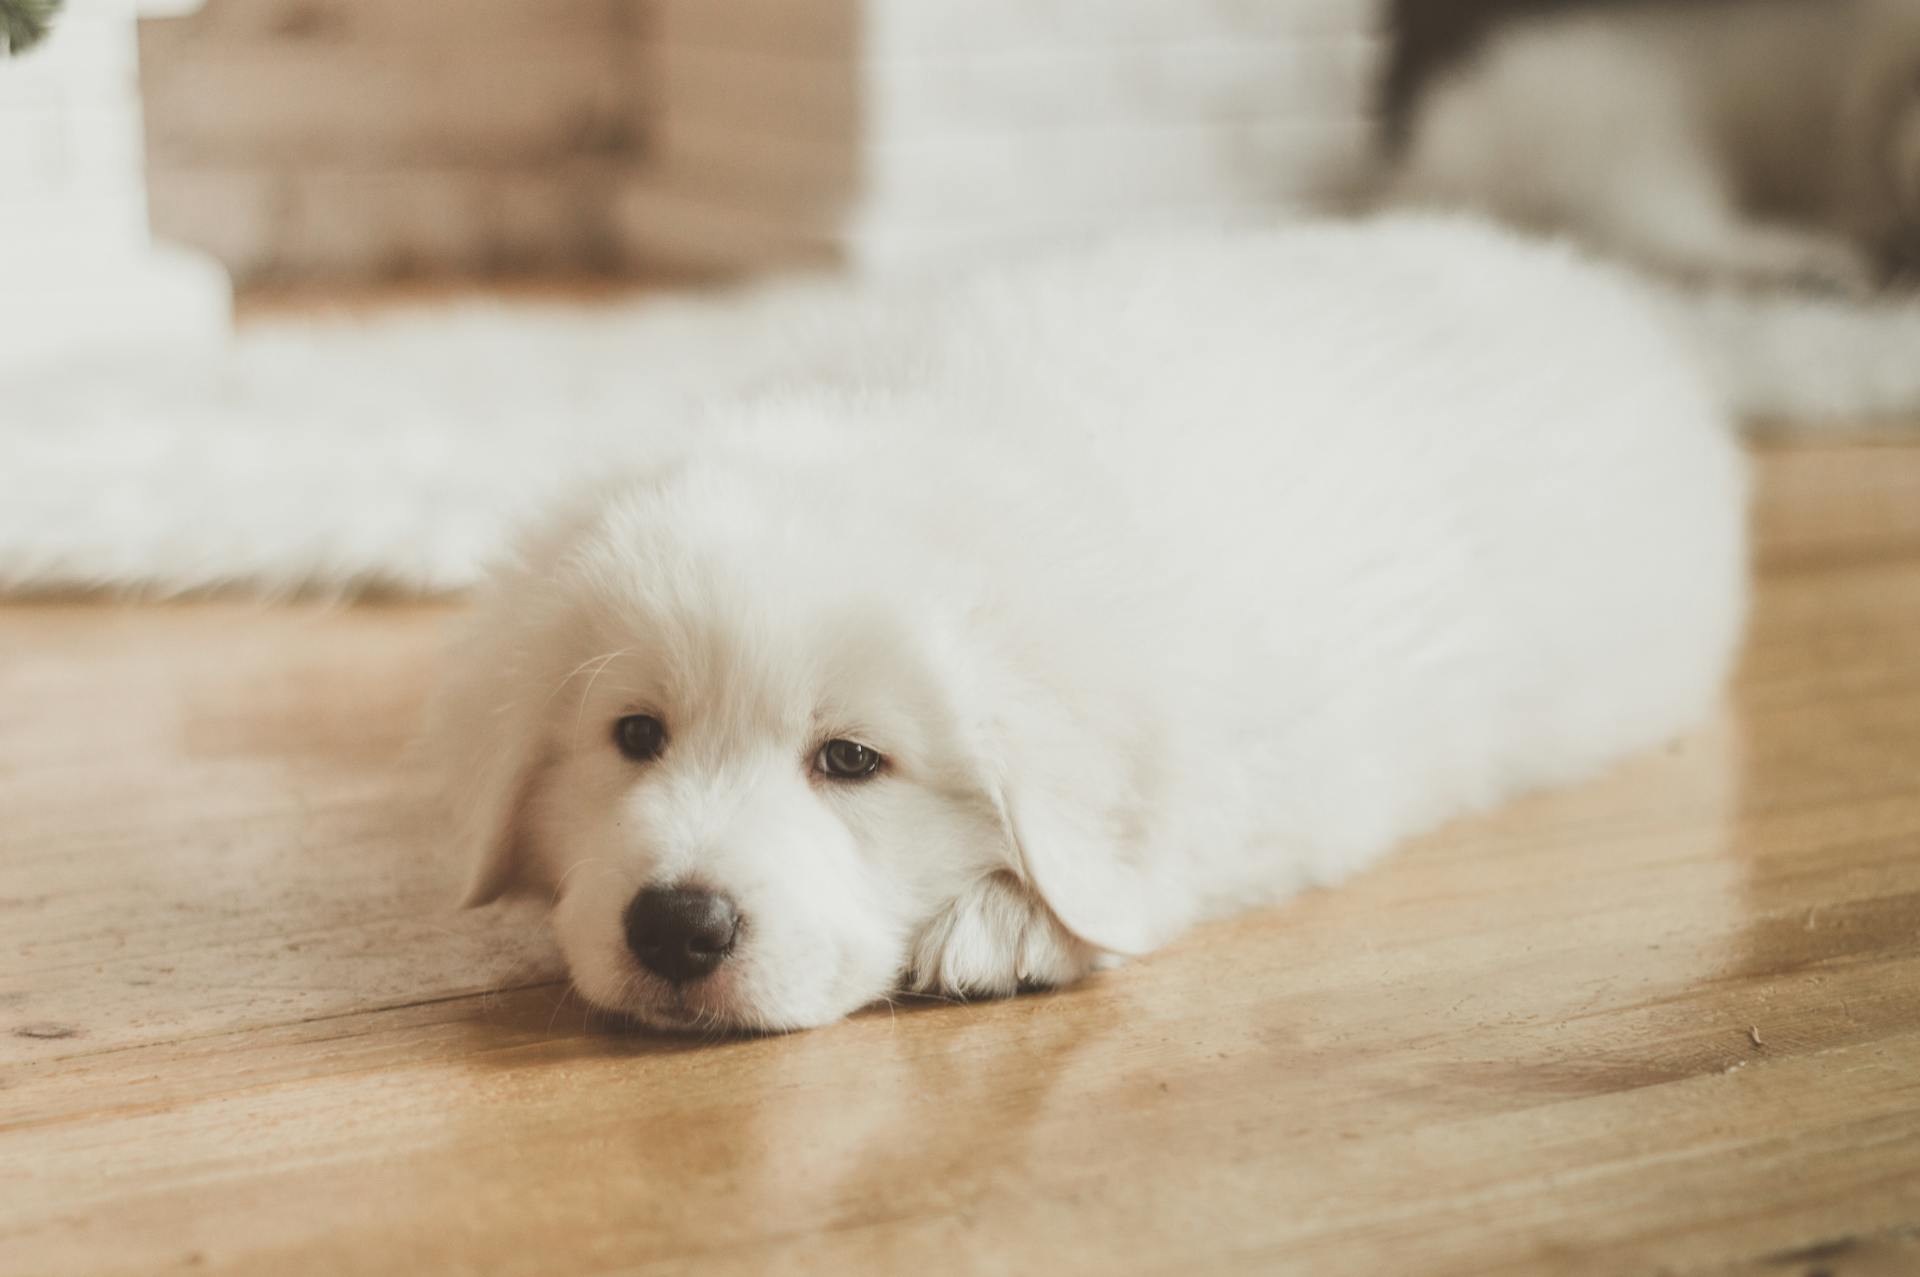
point(1767, 141)
point(1163, 580)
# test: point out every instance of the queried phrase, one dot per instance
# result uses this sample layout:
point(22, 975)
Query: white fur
point(1770, 141)
point(1170, 577)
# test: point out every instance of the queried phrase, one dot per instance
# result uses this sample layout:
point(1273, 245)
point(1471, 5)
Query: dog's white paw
point(995, 940)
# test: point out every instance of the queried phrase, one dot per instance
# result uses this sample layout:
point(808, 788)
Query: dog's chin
point(716, 1005)
point(673, 1014)
point(706, 1007)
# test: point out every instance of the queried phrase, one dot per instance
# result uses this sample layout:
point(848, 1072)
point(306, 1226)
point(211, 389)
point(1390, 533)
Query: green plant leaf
point(24, 23)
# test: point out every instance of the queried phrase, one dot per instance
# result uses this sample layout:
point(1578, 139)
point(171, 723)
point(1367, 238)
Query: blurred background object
point(1770, 145)
point(888, 133)
point(331, 139)
point(81, 269)
point(1430, 36)
point(24, 23)
point(337, 142)
point(352, 139)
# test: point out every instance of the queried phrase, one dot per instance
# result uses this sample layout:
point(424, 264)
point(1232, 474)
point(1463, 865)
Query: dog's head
point(768, 769)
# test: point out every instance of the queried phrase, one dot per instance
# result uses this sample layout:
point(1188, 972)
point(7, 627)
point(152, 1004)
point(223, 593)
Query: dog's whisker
point(559, 1006)
point(560, 883)
point(586, 692)
point(602, 661)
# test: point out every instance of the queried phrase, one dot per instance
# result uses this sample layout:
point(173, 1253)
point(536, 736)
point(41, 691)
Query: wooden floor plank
point(1668, 1021)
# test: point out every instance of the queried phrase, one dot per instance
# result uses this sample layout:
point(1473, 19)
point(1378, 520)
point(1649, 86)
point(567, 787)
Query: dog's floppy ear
point(487, 728)
point(485, 735)
point(1094, 827)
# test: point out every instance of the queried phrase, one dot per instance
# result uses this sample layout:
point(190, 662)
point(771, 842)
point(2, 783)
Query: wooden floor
point(1667, 1023)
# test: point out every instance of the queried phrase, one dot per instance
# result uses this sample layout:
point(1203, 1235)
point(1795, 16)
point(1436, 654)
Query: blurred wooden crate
point(343, 139)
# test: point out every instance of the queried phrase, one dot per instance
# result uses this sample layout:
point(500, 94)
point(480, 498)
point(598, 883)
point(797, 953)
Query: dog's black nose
point(681, 933)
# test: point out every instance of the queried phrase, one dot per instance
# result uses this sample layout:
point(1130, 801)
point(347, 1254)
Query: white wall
point(82, 271)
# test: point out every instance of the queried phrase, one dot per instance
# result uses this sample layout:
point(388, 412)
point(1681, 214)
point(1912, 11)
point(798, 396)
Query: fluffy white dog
point(1034, 618)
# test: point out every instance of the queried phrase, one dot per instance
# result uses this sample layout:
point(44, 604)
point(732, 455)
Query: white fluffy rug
point(396, 453)
point(390, 453)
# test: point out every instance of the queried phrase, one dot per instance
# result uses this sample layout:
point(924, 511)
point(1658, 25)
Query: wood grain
point(1667, 1022)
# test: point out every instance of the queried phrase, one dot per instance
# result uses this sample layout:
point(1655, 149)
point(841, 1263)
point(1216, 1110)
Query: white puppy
point(1051, 612)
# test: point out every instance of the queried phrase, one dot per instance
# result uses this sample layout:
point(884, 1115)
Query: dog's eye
point(846, 760)
point(640, 737)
